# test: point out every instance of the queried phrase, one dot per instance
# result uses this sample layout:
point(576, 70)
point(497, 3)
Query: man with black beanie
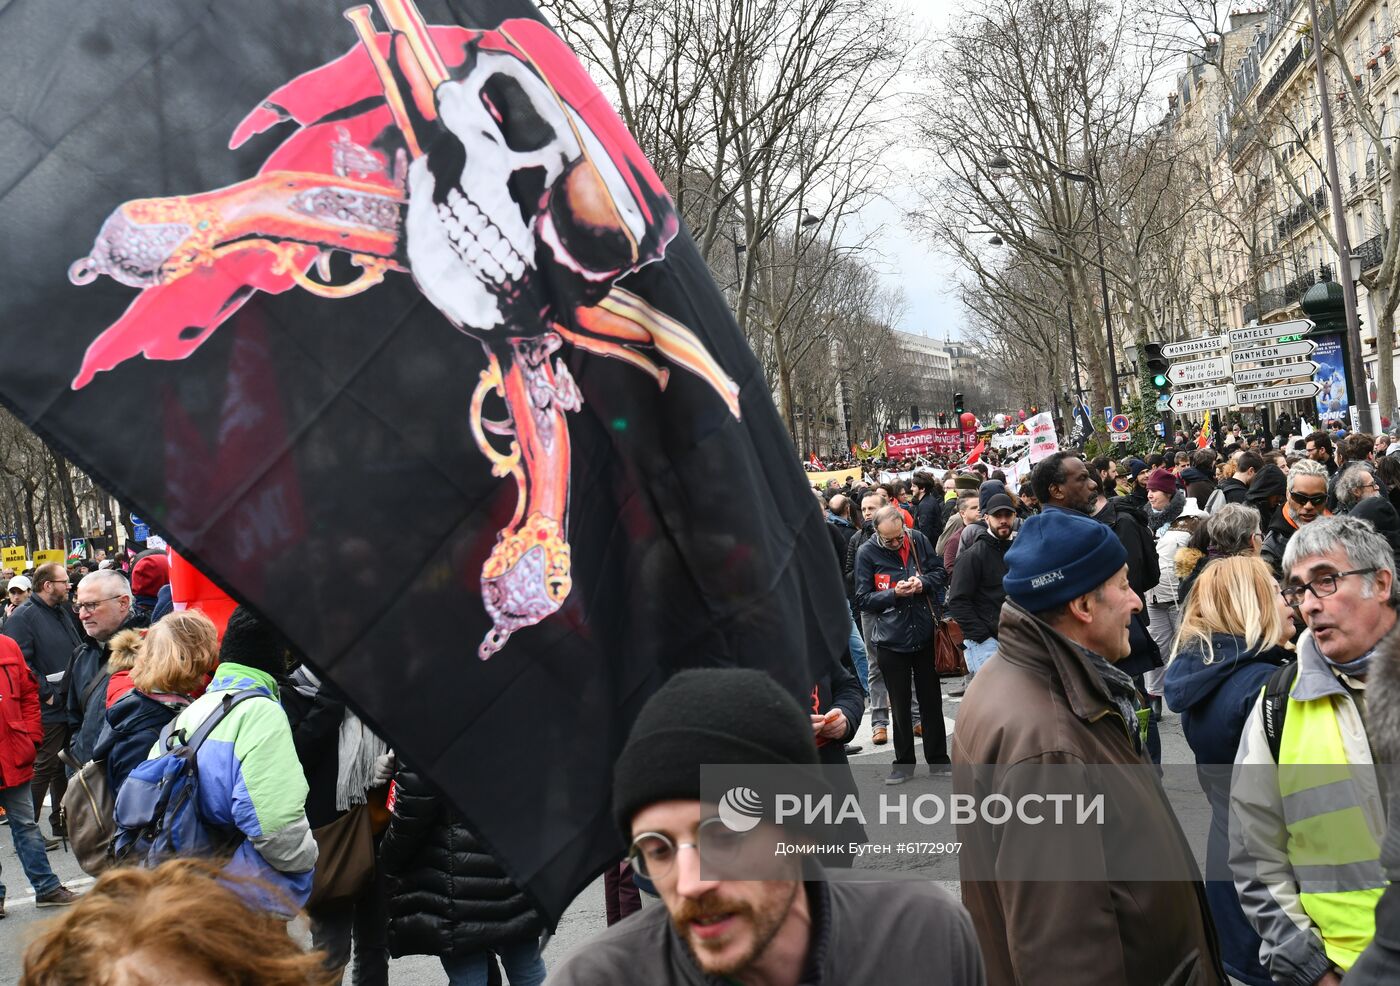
point(788, 931)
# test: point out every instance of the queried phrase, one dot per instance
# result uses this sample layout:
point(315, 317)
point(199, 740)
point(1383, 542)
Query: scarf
point(356, 750)
point(1354, 669)
point(1120, 689)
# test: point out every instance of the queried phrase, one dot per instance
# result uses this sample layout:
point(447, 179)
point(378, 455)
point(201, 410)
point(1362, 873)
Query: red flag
point(977, 451)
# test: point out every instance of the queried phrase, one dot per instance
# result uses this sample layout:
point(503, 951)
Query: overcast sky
point(907, 261)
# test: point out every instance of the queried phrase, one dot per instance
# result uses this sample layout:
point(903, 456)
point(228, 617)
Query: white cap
point(20, 582)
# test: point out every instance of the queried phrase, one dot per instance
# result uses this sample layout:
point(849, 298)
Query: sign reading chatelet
point(1252, 334)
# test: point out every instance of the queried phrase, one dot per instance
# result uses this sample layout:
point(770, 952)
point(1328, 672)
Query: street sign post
point(1199, 370)
point(1268, 333)
point(1189, 401)
point(1264, 374)
point(1192, 347)
point(1286, 350)
point(1283, 392)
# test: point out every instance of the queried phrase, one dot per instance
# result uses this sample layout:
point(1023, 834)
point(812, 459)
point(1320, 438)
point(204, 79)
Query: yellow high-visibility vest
point(1335, 857)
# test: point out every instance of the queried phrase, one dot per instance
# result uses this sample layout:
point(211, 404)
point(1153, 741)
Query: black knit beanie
point(251, 642)
point(706, 716)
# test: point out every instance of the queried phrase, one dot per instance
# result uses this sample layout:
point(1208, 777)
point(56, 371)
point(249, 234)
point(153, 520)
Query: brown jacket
point(1040, 702)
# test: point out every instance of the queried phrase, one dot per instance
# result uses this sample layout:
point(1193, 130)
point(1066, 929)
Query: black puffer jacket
point(447, 894)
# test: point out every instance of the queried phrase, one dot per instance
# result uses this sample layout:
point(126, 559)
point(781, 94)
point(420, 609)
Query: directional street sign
point(1199, 370)
point(1285, 351)
point(1191, 347)
point(1283, 392)
point(1264, 374)
point(1187, 401)
point(1268, 333)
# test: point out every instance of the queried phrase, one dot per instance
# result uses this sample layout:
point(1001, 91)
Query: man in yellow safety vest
point(1307, 813)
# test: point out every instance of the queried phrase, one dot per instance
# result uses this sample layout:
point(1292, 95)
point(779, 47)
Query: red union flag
point(925, 441)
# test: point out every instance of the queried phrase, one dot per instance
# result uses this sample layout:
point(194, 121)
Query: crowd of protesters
point(1250, 591)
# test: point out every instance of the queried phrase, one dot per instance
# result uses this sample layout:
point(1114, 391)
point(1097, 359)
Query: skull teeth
point(478, 241)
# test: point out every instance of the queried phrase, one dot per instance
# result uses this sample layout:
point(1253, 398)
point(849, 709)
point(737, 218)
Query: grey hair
point(110, 581)
point(1350, 482)
point(1231, 529)
point(1363, 546)
point(887, 512)
point(1305, 467)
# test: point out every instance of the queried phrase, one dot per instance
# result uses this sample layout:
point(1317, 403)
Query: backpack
point(157, 809)
point(1275, 710)
point(1215, 501)
point(87, 813)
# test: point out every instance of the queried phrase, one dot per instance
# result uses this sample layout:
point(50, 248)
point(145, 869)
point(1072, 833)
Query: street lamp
point(1000, 162)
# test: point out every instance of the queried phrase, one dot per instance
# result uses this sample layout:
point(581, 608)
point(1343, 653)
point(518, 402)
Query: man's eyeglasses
point(653, 854)
point(1316, 499)
point(89, 607)
point(1321, 587)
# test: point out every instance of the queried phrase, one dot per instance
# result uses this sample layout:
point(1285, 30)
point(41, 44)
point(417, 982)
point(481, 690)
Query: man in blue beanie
point(1052, 695)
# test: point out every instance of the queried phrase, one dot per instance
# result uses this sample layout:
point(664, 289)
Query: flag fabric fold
point(387, 325)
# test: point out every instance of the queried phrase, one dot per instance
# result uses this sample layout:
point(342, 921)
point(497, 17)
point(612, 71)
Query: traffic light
point(1157, 365)
point(958, 404)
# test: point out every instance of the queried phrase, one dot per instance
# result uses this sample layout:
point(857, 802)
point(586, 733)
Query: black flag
point(379, 315)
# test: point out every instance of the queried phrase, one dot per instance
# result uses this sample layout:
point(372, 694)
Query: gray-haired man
point(1305, 841)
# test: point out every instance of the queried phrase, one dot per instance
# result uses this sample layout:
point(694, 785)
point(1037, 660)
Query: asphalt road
point(584, 919)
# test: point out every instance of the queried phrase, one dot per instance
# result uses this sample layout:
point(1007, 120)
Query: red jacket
point(21, 731)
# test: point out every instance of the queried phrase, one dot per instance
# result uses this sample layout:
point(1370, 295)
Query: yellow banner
point(48, 555)
point(869, 453)
point(842, 476)
point(16, 558)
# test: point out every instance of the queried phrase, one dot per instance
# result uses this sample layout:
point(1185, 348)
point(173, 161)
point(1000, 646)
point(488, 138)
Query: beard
point(764, 922)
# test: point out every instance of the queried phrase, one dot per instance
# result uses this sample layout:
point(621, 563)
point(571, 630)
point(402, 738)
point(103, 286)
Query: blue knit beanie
point(1060, 555)
point(988, 490)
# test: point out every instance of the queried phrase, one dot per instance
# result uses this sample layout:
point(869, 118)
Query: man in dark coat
point(47, 636)
point(1199, 477)
point(105, 605)
point(898, 574)
point(1266, 492)
point(1236, 488)
point(875, 680)
point(1053, 695)
point(928, 505)
point(975, 594)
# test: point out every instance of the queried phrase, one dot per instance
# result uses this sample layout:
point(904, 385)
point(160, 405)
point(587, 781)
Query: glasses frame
point(634, 852)
point(90, 606)
point(1303, 589)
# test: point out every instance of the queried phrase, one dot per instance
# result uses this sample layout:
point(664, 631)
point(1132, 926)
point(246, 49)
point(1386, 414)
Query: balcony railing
point(1277, 80)
point(1371, 252)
